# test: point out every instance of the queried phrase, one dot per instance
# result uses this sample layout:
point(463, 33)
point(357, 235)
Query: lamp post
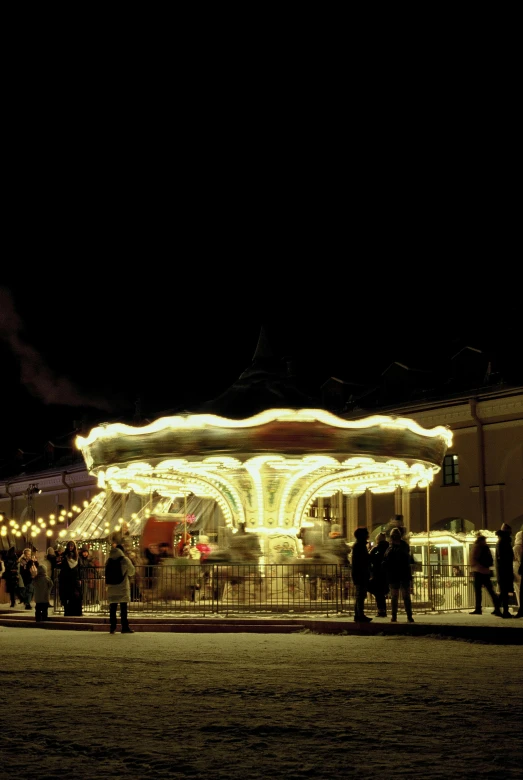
point(429, 571)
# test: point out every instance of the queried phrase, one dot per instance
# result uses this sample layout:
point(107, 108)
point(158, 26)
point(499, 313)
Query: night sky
point(141, 256)
point(90, 344)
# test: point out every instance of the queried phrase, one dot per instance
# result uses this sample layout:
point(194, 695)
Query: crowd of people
point(380, 569)
point(385, 567)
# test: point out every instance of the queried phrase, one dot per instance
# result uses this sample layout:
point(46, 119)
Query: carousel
point(256, 458)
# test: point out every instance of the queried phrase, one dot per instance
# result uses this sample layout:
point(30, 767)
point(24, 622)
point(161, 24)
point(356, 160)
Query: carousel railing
point(235, 588)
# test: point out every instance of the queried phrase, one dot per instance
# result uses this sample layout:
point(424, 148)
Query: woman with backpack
point(118, 569)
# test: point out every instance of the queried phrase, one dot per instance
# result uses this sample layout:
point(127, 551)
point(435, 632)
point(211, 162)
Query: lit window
point(451, 470)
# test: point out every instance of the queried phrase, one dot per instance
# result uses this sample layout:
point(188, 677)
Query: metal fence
point(180, 587)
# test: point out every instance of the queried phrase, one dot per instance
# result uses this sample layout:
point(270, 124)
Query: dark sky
point(90, 340)
point(141, 252)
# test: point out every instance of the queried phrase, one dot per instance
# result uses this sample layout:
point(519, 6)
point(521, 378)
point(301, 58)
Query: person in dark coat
point(519, 613)
point(87, 571)
point(398, 571)
point(27, 569)
point(360, 572)
point(70, 583)
point(42, 593)
point(378, 585)
point(13, 580)
point(481, 561)
point(504, 559)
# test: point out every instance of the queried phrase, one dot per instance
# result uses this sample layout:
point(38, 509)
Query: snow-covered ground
point(256, 706)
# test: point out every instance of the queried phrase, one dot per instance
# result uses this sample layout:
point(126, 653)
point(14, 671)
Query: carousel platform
point(484, 628)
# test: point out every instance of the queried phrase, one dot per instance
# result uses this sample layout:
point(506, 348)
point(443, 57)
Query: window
point(450, 470)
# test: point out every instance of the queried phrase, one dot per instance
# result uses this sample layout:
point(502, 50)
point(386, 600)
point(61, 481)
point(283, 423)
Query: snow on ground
point(257, 706)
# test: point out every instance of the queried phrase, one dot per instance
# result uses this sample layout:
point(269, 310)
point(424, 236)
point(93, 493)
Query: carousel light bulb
point(52, 517)
point(52, 522)
point(49, 532)
point(69, 514)
point(18, 533)
point(63, 513)
point(62, 533)
point(86, 504)
point(3, 530)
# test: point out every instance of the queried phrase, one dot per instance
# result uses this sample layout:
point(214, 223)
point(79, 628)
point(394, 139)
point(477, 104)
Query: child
point(42, 593)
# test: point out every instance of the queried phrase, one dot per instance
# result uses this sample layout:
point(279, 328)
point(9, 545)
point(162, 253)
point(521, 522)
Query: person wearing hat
point(481, 562)
point(504, 560)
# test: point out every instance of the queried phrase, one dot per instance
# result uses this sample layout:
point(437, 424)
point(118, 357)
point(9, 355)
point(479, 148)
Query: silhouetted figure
point(378, 585)
point(42, 593)
point(360, 573)
point(398, 571)
point(517, 550)
point(504, 559)
point(27, 569)
point(13, 580)
point(520, 609)
point(70, 583)
point(481, 562)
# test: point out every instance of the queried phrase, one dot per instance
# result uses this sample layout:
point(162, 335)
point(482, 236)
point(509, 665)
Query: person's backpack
point(113, 571)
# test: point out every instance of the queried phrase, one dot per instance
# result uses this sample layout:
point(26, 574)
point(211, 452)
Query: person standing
point(87, 575)
point(50, 562)
point(120, 593)
point(481, 562)
point(27, 572)
point(42, 593)
point(504, 558)
point(378, 584)
point(70, 583)
point(398, 571)
point(518, 545)
point(519, 613)
point(13, 580)
point(360, 573)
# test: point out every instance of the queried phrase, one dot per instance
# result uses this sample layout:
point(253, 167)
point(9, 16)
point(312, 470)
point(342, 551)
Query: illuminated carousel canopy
point(265, 470)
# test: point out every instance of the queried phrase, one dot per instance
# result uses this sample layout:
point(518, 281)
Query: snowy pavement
point(258, 706)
